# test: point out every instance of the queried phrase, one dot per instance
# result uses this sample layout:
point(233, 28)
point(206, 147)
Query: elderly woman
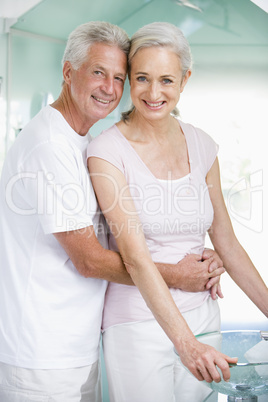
point(158, 184)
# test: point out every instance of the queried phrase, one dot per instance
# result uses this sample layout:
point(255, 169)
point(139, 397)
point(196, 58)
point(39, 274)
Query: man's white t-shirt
point(50, 315)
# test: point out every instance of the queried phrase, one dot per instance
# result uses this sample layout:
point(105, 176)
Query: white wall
point(231, 105)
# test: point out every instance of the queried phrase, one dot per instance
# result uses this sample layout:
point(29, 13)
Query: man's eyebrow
point(99, 67)
point(123, 75)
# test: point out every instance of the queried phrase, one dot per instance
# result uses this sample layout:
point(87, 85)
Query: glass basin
point(249, 377)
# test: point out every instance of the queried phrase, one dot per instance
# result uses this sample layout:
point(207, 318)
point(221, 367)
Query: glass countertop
point(249, 377)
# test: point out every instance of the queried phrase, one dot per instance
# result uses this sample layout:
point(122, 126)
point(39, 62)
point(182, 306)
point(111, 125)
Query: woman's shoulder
point(108, 145)
point(108, 135)
point(201, 145)
point(109, 139)
point(196, 132)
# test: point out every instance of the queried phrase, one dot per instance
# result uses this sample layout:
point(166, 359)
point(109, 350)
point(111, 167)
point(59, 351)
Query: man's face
point(97, 86)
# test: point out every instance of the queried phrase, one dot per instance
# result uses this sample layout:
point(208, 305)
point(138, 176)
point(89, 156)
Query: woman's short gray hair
point(87, 34)
point(161, 34)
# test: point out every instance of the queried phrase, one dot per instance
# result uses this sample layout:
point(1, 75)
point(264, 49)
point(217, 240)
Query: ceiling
point(206, 22)
point(15, 8)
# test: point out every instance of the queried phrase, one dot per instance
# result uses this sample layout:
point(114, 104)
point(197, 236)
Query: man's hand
point(196, 273)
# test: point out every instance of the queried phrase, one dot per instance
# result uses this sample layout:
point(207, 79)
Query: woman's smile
point(154, 105)
point(156, 82)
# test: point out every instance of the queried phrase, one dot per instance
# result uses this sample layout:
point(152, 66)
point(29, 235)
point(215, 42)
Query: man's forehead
point(103, 56)
point(99, 48)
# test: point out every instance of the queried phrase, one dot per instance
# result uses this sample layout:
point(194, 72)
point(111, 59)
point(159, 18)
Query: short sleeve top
point(175, 214)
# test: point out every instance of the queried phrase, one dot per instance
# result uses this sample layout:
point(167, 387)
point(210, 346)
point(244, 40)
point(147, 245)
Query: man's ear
point(67, 72)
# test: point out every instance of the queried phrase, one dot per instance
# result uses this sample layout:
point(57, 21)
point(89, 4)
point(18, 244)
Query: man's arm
point(93, 261)
point(90, 258)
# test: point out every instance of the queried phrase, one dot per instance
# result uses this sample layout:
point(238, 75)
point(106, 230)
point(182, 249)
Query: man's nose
point(108, 85)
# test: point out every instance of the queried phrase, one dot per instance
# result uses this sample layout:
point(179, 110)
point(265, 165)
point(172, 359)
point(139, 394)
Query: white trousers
point(141, 363)
point(70, 385)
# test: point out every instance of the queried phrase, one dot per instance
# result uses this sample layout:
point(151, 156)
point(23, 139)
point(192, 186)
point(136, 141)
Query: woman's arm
point(118, 207)
point(235, 259)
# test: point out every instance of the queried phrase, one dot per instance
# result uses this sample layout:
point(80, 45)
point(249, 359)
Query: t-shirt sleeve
point(107, 147)
point(208, 149)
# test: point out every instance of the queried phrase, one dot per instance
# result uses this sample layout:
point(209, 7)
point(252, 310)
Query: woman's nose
point(154, 91)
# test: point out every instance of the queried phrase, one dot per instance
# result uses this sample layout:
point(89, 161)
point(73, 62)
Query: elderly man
point(54, 269)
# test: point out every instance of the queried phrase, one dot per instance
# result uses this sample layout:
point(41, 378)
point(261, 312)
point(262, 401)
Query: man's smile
point(101, 100)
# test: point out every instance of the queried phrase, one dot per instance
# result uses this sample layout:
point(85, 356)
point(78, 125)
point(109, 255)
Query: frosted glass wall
point(34, 76)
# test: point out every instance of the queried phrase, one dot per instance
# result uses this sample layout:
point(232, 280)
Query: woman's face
point(156, 82)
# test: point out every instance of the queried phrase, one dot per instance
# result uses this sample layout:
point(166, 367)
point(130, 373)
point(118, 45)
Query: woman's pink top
point(175, 215)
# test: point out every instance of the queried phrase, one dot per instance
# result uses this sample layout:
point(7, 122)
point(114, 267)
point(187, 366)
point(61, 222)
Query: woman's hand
point(214, 282)
point(215, 290)
point(202, 360)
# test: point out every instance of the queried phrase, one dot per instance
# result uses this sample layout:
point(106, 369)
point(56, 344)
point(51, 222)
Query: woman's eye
point(141, 79)
point(167, 81)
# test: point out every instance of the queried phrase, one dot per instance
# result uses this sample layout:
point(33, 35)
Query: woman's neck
point(140, 129)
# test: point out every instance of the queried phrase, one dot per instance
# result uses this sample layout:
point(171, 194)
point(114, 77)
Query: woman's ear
point(185, 79)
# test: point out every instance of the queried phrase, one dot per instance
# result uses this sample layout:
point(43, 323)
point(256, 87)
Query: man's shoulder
point(42, 139)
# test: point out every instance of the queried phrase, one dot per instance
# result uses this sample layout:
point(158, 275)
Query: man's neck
point(65, 106)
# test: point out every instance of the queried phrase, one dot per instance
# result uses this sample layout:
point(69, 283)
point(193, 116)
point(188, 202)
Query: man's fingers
point(196, 257)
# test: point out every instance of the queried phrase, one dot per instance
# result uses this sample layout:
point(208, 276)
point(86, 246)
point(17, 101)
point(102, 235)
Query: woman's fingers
point(219, 291)
point(209, 364)
point(210, 372)
point(215, 291)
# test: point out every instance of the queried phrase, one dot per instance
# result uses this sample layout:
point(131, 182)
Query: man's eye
point(120, 79)
point(97, 72)
point(141, 79)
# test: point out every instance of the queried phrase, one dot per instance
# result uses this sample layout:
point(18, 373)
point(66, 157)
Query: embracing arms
point(193, 274)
